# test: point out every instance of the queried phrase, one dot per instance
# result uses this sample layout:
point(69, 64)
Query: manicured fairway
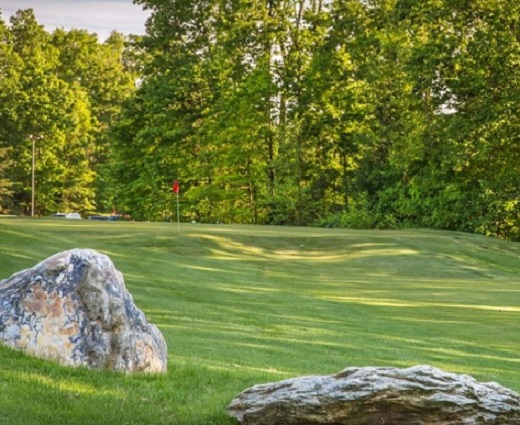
point(240, 305)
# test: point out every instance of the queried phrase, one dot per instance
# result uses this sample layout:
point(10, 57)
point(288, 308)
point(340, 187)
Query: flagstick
point(178, 217)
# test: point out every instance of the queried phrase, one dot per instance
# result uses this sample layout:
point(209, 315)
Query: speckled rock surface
point(418, 395)
point(74, 308)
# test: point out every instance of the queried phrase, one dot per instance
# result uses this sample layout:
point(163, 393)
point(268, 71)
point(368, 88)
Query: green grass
point(240, 305)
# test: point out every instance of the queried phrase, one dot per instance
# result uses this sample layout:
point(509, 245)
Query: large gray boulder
point(373, 396)
point(74, 308)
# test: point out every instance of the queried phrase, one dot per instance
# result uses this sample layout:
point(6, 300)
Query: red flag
point(176, 187)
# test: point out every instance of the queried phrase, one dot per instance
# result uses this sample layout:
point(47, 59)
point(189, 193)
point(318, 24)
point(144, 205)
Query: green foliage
point(60, 91)
point(6, 185)
point(380, 114)
point(361, 214)
point(388, 114)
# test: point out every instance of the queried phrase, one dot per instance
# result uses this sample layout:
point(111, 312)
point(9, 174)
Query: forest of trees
point(353, 113)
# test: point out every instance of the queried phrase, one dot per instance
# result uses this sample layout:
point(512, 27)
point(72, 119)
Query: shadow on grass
point(243, 305)
point(37, 392)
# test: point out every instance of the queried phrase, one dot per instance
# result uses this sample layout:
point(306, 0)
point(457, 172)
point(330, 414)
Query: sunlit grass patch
point(240, 305)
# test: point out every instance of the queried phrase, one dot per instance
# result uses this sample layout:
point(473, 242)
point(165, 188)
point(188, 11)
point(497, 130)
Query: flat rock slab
point(374, 396)
point(74, 308)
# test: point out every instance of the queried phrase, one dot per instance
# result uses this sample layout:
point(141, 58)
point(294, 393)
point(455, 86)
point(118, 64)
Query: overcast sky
point(96, 16)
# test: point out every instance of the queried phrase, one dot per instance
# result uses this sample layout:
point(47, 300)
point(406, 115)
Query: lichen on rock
point(74, 308)
point(420, 395)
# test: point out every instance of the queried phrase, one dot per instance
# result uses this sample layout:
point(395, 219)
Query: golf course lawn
point(240, 305)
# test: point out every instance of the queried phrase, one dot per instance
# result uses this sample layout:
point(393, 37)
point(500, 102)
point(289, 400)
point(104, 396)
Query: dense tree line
point(60, 93)
point(361, 113)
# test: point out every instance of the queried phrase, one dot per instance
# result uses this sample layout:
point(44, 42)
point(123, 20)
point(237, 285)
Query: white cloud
point(98, 16)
